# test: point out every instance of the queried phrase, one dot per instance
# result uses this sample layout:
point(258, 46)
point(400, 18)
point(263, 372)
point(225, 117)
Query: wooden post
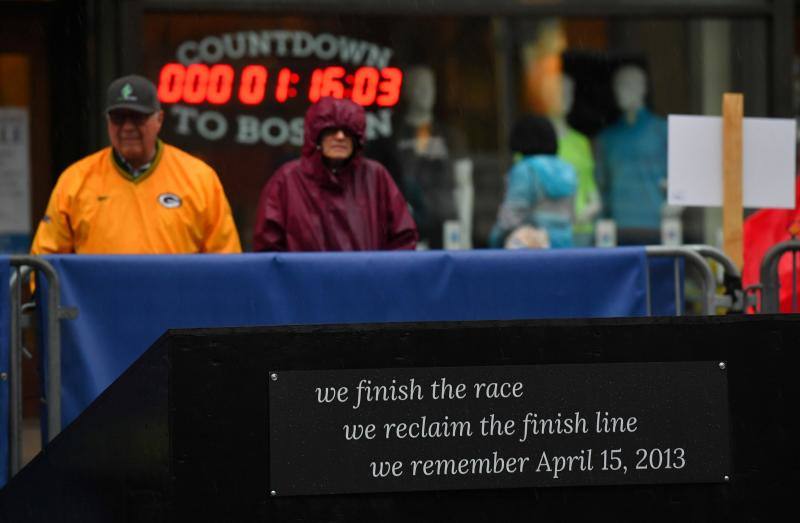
point(732, 212)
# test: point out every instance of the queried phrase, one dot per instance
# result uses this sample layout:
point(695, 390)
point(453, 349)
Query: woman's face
point(336, 145)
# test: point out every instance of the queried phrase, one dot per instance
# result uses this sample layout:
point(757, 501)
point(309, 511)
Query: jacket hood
point(557, 178)
point(332, 112)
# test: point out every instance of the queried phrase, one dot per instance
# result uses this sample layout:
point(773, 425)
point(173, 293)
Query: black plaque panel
point(488, 427)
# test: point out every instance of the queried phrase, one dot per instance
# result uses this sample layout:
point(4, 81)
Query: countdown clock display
point(256, 85)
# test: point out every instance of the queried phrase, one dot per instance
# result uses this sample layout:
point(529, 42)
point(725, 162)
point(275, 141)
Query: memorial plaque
point(445, 428)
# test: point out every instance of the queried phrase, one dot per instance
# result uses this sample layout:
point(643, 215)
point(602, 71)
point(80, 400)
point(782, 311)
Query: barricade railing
point(733, 299)
point(692, 256)
point(22, 268)
point(770, 281)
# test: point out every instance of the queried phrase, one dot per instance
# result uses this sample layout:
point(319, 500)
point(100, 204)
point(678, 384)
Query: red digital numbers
point(220, 84)
point(284, 90)
point(196, 84)
point(315, 91)
point(365, 85)
point(390, 86)
point(326, 82)
point(370, 85)
point(200, 83)
point(253, 86)
point(170, 83)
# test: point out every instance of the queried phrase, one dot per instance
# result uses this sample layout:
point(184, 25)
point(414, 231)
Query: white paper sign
point(695, 161)
point(15, 197)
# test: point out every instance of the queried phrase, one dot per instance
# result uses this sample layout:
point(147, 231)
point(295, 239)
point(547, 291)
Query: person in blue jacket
point(540, 187)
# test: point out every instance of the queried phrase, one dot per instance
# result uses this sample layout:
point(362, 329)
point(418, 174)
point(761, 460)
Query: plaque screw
point(273, 493)
point(726, 478)
point(722, 365)
point(3, 376)
point(273, 377)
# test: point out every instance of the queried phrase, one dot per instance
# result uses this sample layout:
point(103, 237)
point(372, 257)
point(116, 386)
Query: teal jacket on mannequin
point(631, 163)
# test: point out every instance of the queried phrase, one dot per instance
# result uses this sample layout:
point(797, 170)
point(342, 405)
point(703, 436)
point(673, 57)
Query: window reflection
point(441, 94)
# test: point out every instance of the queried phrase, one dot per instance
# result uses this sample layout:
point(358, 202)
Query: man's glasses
point(120, 117)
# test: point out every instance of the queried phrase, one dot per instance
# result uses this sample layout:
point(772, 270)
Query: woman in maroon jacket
point(332, 198)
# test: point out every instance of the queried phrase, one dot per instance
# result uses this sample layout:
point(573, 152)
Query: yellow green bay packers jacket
point(177, 206)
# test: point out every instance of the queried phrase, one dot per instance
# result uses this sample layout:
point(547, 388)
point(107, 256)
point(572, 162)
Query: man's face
point(133, 135)
point(336, 145)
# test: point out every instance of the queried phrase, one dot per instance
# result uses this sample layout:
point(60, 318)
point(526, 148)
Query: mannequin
point(438, 188)
point(630, 89)
point(420, 95)
point(575, 149)
point(631, 164)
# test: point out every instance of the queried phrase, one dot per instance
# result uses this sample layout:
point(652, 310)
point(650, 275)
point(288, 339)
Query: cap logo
point(169, 200)
point(126, 93)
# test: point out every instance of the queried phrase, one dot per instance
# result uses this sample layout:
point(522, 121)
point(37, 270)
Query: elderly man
point(332, 198)
point(139, 196)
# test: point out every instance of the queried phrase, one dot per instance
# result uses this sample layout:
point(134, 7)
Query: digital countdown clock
point(254, 84)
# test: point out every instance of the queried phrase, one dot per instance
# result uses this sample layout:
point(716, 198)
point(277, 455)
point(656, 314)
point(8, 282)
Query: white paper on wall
point(15, 196)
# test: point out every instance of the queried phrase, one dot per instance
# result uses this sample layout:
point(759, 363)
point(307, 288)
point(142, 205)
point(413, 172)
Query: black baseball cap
point(132, 92)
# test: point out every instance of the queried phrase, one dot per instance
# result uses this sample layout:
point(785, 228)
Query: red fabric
point(762, 230)
point(306, 206)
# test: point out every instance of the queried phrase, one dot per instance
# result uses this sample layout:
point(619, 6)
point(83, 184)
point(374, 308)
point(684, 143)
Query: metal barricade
point(691, 256)
point(22, 267)
point(733, 298)
point(770, 281)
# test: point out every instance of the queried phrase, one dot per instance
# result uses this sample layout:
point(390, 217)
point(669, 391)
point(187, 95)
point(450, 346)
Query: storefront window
point(442, 93)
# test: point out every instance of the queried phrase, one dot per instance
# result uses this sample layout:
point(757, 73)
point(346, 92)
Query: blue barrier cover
point(662, 285)
point(5, 339)
point(126, 302)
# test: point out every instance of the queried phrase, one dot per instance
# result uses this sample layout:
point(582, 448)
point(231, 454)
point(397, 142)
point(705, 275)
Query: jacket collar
point(335, 179)
point(136, 175)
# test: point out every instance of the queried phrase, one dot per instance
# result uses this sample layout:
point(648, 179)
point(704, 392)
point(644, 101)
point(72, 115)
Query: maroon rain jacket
point(307, 206)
